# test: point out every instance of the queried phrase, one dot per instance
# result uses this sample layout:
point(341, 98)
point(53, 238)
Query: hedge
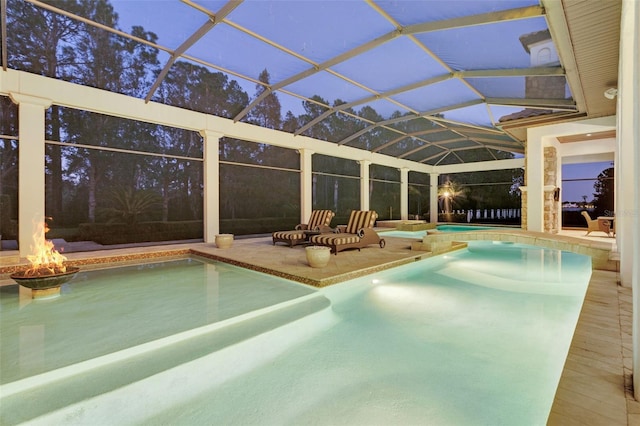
point(120, 233)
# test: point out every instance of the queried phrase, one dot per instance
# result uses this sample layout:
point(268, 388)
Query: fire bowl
point(44, 286)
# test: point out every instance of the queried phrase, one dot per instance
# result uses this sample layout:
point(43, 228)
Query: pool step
point(65, 389)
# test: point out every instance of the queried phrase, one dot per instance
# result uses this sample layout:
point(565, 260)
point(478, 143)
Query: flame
point(46, 260)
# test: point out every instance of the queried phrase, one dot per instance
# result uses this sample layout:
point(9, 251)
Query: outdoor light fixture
point(611, 93)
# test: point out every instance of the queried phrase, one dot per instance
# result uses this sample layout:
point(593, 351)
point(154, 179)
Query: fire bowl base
point(46, 286)
point(45, 293)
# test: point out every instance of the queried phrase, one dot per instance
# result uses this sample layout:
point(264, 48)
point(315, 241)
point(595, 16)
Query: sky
point(574, 191)
point(333, 31)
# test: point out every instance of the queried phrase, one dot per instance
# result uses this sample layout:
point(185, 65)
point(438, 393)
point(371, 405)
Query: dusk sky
point(574, 191)
point(286, 23)
point(333, 30)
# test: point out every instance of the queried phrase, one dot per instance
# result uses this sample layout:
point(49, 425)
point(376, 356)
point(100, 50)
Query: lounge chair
point(357, 233)
point(318, 223)
point(596, 225)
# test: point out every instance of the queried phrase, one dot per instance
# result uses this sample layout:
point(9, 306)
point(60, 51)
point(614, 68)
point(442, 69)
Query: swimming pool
point(475, 337)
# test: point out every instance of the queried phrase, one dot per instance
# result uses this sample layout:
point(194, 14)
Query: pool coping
point(259, 254)
point(600, 253)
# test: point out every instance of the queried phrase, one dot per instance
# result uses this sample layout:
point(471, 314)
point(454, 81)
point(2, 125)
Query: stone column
point(31, 168)
point(523, 209)
point(550, 181)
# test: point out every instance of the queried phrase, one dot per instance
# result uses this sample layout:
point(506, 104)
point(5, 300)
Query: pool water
point(475, 337)
point(464, 228)
point(441, 228)
point(101, 312)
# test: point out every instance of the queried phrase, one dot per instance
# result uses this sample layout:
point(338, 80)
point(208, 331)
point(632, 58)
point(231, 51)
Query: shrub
point(120, 233)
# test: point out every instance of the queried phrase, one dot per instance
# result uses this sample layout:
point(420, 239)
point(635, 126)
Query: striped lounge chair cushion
point(334, 239)
point(360, 219)
point(289, 235)
point(320, 218)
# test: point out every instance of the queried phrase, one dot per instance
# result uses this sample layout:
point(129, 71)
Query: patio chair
point(318, 223)
point(596, 225)
point(357, 233)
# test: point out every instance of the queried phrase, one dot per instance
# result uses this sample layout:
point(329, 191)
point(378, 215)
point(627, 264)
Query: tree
point(449, 193)
point(196, 88)
point(290, 123)
point(604, 193)
point(267, 113)
point(8, 147)
point(46, 52)
point(128, 204)
point(313, 109)
point(118, 64)
point(72, 50)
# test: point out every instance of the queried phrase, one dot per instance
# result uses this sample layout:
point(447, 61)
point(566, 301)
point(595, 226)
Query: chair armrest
point(323, 229)
point(362, 232)
point(340, 229)
point(301, 227)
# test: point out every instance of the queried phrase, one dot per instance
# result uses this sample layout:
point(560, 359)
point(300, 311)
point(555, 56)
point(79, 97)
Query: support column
point(211, 215)
point(404, 193)
point(627, 140)
point(559, 188)
point(31, 168)
point(550, 202)
point(534, 180)
point(364, 184)
point(433, 197)
point(306, 184)
point(628, 168)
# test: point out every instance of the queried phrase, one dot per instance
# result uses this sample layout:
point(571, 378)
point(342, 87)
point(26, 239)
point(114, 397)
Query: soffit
point(594, 27)
point(587, 34)
point(587, 137)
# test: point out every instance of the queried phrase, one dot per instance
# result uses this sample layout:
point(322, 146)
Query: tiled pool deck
point(595, 388)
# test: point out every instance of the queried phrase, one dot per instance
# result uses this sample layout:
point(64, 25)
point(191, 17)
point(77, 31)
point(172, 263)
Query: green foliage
point(451, 194)
point(8, 228)
point(267, 112)
point(119, 233)
point(489, 190)
point(264, 225)
point(4, 212)
point(171, 188)
point(604, 193)
point(128, 204)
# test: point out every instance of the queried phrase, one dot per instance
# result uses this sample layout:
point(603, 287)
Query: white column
point(31, 168)
point(433, 197)
point(211, 178)
point(627, 138)
point(306, 184)
point(404, 193)
point(364, 184)
point(534, 179)
point(628, 168)
point(559, 185)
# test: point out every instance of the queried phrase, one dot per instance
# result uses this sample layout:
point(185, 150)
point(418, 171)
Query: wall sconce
point(611, 93)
